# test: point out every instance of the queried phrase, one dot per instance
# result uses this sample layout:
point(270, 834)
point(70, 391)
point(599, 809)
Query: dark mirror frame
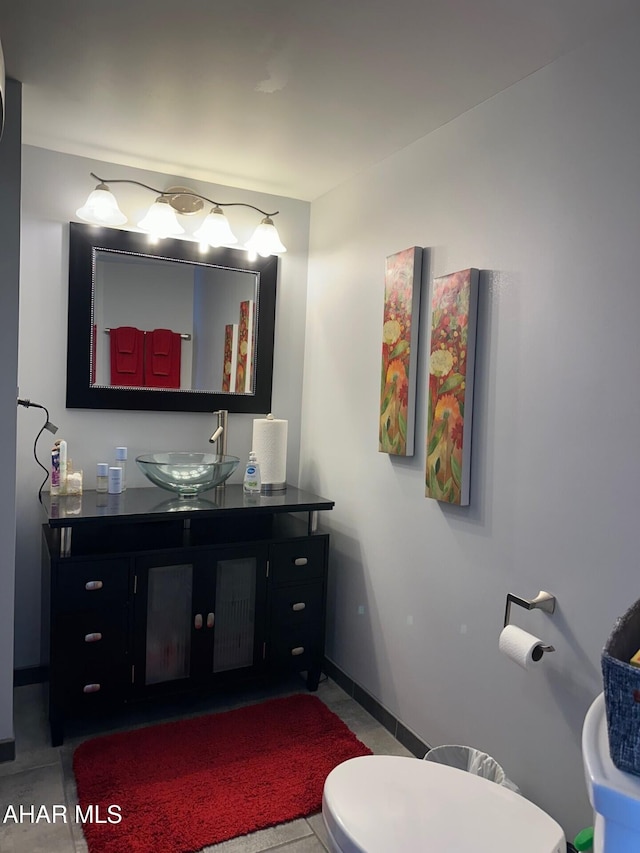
point(84, 240)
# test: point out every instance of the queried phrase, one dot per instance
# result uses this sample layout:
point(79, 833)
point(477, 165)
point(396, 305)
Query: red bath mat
point(186, 785)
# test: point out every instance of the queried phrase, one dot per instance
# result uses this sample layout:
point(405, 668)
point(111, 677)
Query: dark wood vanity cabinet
point(142, 601)
point(297, 605)
point(90, 636)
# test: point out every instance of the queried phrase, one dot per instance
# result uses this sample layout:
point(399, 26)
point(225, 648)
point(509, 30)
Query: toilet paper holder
point(543, 601)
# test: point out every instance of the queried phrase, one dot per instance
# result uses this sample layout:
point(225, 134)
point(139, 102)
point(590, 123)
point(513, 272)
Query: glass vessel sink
point(186, 473)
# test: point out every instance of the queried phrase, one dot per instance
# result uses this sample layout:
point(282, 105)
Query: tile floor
point(42, 774)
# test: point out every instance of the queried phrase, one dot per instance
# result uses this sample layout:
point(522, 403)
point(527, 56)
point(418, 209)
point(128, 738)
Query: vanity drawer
point(298, 560)
point(298, 648)
point(94, 687)
point(91, 635)
point(96, 584)
point(297, 605)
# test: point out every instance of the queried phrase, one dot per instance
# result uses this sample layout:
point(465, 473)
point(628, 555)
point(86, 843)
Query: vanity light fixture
point(160, 220)
point(265, 240)
point(215, 230)
point(101, 208)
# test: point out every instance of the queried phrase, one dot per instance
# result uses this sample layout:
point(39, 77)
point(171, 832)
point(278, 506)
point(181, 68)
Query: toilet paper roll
point(270, 447)
point(520, 646)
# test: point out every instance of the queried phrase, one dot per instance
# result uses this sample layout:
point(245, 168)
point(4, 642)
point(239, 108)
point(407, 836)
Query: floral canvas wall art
point(244, 363)
point(451, 367)
point(230, 361)
point(403, 274)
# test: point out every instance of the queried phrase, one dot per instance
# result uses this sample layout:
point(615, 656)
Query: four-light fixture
point(101, 208)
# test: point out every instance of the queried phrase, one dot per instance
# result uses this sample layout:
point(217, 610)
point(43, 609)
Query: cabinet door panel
point(198, 614)
point(168, 635)
point(234, 627)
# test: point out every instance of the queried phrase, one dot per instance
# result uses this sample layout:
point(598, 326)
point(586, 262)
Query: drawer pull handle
point(197, 622)
point(91, 688)
point(300, 605)
point(91, 585)
point(300, 561)
point(299, 650)
point(210, 620)
point(93, 638)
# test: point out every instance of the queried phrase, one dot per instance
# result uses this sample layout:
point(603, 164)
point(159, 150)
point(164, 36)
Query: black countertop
point(154, 504)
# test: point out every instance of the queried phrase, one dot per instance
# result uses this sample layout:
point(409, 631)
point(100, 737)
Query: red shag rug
point(186, 785)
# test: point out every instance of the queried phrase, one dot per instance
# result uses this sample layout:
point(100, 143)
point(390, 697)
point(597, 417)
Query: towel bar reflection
point(184, 335)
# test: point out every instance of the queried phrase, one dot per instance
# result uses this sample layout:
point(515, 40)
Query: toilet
point(382, 803)
point(614, 794)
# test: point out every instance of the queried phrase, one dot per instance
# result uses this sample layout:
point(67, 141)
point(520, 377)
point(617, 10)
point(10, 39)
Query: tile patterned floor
point(42, 775)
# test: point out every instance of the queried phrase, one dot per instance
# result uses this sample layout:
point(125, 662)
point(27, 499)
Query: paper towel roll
point(520, 646)
point(270, 447)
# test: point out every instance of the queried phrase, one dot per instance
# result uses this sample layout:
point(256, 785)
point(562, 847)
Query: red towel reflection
point(127, 355)
point(162, 359)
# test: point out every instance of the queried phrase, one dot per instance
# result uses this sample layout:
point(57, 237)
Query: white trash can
point(473, 761)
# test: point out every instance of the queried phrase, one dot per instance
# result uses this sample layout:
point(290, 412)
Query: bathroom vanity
point(146, 595)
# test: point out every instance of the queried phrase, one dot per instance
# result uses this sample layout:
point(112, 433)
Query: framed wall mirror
point(164, 327)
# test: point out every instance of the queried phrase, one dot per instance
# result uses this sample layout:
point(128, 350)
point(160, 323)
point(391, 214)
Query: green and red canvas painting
point(451, 368)
point(403, 273)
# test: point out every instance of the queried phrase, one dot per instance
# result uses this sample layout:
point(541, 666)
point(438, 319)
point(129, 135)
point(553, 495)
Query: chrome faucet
point(219, 436)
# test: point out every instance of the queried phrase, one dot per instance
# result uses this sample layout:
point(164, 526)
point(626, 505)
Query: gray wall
point(539, 187)
point(54, 185)
point(9, 287)
point(217, 296)
point(125, 301)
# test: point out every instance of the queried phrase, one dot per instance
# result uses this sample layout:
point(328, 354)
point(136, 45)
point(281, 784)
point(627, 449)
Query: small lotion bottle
point(121, 462)
point(252, 482)
point(102, 477)
point(115, 480)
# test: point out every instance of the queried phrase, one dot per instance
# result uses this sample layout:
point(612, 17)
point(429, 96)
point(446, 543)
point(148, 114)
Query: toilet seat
point(380, 803)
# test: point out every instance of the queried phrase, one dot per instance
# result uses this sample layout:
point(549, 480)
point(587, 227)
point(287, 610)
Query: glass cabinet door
point(197, 616)
point(234, 626)
point(168, 635)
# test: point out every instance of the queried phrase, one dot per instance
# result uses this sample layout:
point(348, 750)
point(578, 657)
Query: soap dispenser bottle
point(252, 482)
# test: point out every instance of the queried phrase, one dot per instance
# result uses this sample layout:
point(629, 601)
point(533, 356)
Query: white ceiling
point(290, 97)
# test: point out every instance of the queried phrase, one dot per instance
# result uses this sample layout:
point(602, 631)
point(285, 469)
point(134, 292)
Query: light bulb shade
point(101, 208)
point(266, 240)
point(160, 220)
point(215, 230)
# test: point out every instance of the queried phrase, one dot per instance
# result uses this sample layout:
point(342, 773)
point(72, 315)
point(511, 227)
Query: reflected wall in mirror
point(163, 327)
point(135, 296)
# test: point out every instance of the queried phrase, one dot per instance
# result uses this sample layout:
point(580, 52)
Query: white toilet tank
point(614, 794)
point(379, 803)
